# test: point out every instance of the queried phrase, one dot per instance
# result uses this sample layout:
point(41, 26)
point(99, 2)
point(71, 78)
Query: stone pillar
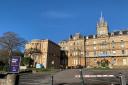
point(2, 81)
point(11, 79)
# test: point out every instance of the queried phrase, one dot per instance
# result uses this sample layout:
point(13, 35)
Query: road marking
point(29, 83)
point(93, 76)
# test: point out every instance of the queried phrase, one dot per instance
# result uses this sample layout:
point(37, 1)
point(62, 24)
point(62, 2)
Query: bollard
point(11, 79)
point(81, 77)
point(122, 79)
point(52, 80)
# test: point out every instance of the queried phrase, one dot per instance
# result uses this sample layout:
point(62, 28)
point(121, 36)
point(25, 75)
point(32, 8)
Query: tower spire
point(101, 14)
point(101, 17)
point(102, 27)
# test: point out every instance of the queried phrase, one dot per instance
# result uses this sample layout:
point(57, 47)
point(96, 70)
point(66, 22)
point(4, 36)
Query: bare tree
point(10, 41)
point(29, 52)
point(32, 53)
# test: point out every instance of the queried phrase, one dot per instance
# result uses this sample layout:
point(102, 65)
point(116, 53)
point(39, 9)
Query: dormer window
point(86, 37)
point(74, 37)
point(94, 36)
point(120, 32)
point(112, 34)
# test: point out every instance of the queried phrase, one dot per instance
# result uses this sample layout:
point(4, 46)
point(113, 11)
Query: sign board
point(14, 64)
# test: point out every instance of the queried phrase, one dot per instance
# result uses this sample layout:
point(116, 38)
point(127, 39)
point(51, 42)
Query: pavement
point(34, 79)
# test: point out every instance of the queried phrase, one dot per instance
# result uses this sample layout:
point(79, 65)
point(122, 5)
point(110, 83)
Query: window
point(123, 52)
point(113, 44)
point(87, 54)
point(124, 61)
point(94, 36)
point(95, 61)
point(78, 43)
point(66, 48)
point(112, 34)
point(82, 53)
point(74, 43)
point(94, 42)
point(76, 53)
point(103, 44)
point(94, 53)
point(122, 43)
point(86, 37)
point(94, 46)
point(74, 49)
point(86, 43)
point(104, 52)
point(120, 32)
point(100, 32)
point(114, 52)
point(75, 62)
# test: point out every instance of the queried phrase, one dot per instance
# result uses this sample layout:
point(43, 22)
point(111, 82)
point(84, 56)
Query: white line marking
point(88, 76)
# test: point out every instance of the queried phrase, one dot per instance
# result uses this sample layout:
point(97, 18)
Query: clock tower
point(102, 27)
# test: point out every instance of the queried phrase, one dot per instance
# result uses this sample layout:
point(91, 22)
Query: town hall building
point(91, 50)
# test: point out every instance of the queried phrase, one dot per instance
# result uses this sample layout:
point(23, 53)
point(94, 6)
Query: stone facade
point(112, 47)
point(89, 50)
point(75, 48)
point(49, 54)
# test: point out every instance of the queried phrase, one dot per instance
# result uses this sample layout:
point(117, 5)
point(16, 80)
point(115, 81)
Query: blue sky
point(57, 19)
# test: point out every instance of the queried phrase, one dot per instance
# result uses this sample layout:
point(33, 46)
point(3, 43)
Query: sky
point(58, 19)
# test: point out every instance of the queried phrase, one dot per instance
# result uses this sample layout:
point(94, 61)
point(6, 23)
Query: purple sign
point(14, 65)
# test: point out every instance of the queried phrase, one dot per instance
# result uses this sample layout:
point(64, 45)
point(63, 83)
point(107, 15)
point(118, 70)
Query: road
point(67, 77)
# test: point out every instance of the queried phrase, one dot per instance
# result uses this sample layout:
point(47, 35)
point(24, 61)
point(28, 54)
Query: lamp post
point(52, 67)
point(79, 63)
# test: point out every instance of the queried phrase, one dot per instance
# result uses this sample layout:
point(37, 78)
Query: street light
point(51, 72)
point(79, 63)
